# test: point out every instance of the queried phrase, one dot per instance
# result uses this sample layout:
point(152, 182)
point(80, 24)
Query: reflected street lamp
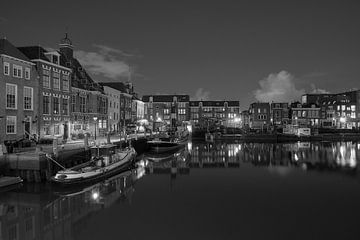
point(95, 119)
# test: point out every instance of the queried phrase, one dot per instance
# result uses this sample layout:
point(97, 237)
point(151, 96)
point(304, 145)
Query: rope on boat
point(49, 157)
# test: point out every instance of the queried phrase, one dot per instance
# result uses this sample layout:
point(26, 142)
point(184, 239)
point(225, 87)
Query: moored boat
point(161, 146)
point(107, 160)
point(7, 183)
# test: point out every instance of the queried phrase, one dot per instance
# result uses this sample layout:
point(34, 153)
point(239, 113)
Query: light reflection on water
point(46, 212)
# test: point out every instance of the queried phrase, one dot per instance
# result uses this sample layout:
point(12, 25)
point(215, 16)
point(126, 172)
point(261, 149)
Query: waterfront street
point(207, 191)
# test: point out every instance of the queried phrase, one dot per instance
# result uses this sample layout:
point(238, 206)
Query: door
point(66, 131)
point(27, 127)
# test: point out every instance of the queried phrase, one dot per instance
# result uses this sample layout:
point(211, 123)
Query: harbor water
point(214, 190)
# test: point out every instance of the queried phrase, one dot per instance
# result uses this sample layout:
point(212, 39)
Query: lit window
point(28, 98)
point(11, 96)
point(56, 106)
point(65, 107)
point(17, 71)
point(11, 124)
point(27, 73)
point(353, 108)
point(343, 107)
point(6, 68)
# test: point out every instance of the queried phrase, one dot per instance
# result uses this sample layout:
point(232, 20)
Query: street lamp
point(95, 119)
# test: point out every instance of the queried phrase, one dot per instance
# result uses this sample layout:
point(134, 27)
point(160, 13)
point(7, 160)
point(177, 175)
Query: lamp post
point(95, 119)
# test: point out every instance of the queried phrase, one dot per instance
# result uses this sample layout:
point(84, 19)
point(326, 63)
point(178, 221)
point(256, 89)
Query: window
point(166, 111)
point(46, 128)
point(343, 107)
point(46, 104)
point(66, 83)
point(11, 124)
point(65, 107)
point(353, 115)
point(56, 129)
point(28, 98)
point(56, 106)
point(17, 71)
point(182, 111)
point(6, 68)
point(46, 81)
point(11, 96)
point(73, 103)
point(56, 81)
point(353, 108)
point(82, 104)
point(27, 73)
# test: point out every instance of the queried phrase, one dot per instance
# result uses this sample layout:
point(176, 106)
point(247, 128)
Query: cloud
point(201, 94)
point(317, 90)
point(278, 87)
point(106, 61)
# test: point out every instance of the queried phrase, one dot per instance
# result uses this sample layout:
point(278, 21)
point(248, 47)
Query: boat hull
point(65, 179)
point(165, 146)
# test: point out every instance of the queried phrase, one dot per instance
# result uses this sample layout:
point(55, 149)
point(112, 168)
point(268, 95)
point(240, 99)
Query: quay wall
point(36, 167)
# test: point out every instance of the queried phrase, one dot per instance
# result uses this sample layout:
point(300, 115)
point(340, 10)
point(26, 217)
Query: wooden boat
point(7, 183)
point(107, 160)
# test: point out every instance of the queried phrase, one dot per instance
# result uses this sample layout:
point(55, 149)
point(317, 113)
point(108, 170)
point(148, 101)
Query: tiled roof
point(120, 86)
point(8, 49)
point(37, 52)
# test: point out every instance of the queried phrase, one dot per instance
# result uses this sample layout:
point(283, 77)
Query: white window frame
point(6, 66)
point(32, 98)
point(27, 73)
point(15, 121)
point(16, 95)
point(18, 69)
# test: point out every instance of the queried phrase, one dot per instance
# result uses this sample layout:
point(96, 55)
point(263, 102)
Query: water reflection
point(45, 212)
point(41, 212)
point(278, 157)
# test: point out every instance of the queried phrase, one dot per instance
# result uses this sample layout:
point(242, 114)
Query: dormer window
point(55, 59)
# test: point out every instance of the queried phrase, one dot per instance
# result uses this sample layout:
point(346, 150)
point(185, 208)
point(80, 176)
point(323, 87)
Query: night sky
point(238, 50)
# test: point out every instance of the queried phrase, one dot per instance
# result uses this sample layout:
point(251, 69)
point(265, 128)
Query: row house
point(137, 109)
point(305, 115)
point(169, 109)
point(122, 95)
point(245, 119)
point(89, 103)
point(279, 113)
point(113, 108)
point(340, 110)
point(259, 115)
point(19, 90)
point(226, 113)
point(54, 92)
